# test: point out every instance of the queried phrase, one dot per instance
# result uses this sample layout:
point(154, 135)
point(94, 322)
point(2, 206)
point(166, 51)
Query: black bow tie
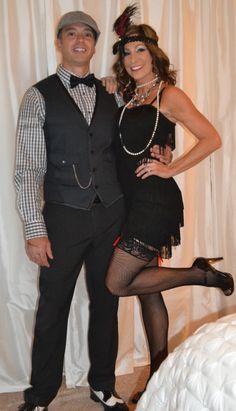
point(88, 80)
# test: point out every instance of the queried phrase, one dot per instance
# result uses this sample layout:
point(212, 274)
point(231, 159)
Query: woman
point(154, 202)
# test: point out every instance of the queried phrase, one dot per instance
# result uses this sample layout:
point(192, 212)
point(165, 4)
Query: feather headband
point(122, 25)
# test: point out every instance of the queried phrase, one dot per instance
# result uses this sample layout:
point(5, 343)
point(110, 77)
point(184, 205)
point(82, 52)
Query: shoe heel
point(93, 396)
point(204, 263)
point(214, 260)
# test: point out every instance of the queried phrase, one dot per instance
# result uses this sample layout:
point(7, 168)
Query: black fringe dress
point(154, 205)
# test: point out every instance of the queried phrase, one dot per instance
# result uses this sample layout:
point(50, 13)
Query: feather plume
point(123, 22)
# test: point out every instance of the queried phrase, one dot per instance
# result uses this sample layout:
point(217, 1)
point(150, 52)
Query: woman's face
point(138, 62)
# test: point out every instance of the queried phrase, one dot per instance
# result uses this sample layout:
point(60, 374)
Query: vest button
point(96, 186)
point(94, 169)
point(91, 134)
point(92, 151)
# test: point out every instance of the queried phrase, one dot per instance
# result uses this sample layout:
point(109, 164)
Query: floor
point(78, 399)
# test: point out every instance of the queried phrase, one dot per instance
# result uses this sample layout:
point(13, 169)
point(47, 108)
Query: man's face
point(77, 46)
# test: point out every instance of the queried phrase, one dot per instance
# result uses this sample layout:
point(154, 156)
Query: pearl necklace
point(132, 153)
point(139, 99)
point(148, 82)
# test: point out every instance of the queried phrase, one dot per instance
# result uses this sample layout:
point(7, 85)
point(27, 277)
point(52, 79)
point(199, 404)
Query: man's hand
point(164, 155)
point(110, 84)
point(39, 250)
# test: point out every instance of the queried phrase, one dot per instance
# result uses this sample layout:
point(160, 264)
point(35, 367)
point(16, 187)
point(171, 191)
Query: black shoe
point(31, 407)
point(135, 399)
point(224, 281)
point(109, 399)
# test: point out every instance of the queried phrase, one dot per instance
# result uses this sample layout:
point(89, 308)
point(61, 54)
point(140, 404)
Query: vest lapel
point(71, 99)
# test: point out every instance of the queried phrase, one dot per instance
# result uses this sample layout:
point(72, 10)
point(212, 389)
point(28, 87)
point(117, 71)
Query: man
point(64, 141)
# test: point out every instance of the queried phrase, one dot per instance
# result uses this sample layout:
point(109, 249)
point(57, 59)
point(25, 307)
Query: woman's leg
point(156, 323)
point(129, 275)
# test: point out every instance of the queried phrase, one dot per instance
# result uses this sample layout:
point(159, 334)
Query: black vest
point(80, 158)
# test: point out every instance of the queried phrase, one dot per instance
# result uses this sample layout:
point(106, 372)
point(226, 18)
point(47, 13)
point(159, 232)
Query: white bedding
point(200, 375)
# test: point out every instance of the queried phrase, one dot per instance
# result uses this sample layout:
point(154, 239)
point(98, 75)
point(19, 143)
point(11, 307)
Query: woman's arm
point(177, 107)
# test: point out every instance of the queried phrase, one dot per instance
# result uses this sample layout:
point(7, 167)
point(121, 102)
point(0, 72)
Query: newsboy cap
point(77, 17)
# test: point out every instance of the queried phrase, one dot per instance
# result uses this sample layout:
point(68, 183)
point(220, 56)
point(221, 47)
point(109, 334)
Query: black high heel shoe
point(224, 281)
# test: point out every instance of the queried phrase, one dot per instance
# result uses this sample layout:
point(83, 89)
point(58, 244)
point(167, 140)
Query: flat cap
point(74, 17)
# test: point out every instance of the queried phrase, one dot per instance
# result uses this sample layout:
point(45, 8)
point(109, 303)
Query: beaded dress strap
point(153, 100)
point(160, 96)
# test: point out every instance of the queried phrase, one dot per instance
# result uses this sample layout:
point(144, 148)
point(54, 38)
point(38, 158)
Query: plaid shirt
point(31, 156)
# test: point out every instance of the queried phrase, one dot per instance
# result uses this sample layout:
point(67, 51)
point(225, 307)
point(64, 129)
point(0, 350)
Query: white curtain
point(199, 37)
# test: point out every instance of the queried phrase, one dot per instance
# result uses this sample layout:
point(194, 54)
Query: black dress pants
point(76, 236)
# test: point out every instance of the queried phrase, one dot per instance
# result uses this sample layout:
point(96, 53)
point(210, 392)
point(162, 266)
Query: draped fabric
point(199, 37)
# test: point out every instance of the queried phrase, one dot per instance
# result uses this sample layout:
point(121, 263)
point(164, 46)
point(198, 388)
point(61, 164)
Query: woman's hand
point(110, 84)
point(154, 168)
point(164, 155)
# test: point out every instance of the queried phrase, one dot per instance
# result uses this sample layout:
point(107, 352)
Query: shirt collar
point(65, 74)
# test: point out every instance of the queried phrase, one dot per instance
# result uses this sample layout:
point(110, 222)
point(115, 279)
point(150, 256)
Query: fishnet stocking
point(156, 323)
point(128, 275)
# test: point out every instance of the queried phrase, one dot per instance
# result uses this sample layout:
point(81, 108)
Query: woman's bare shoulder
point(173, 101)
point(173, 92)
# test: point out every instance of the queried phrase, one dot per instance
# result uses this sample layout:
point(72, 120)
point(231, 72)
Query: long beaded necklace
point(132, 153)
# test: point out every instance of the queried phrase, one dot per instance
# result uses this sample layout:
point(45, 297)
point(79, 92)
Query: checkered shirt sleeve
point(31, 163)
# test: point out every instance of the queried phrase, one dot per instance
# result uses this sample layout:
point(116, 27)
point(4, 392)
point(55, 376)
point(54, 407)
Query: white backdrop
point(199, 37)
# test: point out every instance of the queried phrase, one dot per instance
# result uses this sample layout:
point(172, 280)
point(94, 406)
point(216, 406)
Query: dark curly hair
point(160, 61)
